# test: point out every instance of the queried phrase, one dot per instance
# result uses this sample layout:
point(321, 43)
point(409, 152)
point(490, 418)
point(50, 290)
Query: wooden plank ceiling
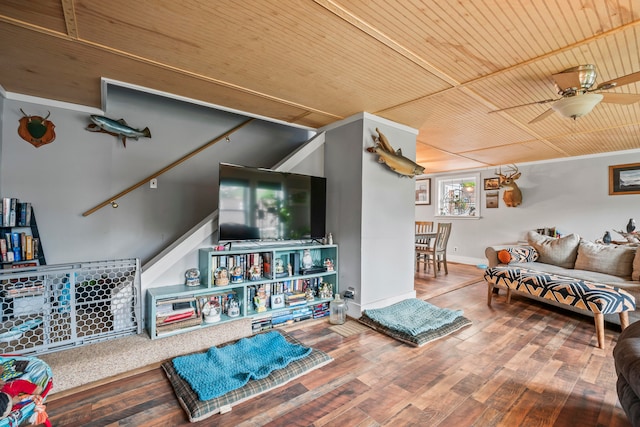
point(437, 66)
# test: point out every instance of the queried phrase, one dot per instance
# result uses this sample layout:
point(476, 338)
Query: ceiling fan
point(576, 96)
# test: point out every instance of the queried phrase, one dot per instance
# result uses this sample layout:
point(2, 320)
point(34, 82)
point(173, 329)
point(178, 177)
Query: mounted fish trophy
point(512, 195)
point(36, 130)
point(394, 159)
point(118, 128)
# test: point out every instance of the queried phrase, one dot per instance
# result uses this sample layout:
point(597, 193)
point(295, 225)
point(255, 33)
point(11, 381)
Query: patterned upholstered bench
point(596, 298)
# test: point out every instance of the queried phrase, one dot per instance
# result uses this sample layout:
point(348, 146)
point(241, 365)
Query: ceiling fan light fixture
point(577, 106)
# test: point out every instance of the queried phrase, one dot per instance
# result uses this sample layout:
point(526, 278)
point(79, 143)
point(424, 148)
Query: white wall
point(571, 195)
point(367, 211)
point(81, 169)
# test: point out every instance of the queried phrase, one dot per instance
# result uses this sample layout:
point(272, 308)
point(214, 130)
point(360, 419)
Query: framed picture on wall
point(492, 199)
point(491, 183)
point(624, 179)
point(423, 191)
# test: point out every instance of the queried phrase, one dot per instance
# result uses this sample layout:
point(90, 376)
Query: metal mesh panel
point(52, 307)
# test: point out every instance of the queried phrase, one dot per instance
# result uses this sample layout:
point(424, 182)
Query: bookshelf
point(20, 244)
point(20, 248)
point(272, 285)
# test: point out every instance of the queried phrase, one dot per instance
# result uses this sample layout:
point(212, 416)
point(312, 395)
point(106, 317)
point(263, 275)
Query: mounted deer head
point(512, 195)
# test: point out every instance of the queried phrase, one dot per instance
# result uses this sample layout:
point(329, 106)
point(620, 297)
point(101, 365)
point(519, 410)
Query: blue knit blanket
point(413, 316)
point(227, 368)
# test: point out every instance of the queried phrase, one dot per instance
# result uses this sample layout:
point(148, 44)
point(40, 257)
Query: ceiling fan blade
point(524, 105)
point(567, 80)
point(620, 81)
point(542, 116)
point(621, 98)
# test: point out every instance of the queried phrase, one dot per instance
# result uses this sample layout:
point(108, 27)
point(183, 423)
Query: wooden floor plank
point(524, 363)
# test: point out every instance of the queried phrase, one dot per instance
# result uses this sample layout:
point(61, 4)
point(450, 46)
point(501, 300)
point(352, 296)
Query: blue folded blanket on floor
point(413, 316)
point(222, 369)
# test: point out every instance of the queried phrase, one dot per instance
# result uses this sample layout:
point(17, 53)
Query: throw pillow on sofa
point(561, 252)
point(616, 260)
point(635, 275)
point(518, 254)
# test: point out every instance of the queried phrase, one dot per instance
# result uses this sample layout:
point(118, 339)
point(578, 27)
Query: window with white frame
point(459, 196)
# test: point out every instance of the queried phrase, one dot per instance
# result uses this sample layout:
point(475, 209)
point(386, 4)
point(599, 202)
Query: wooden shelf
point(244, 291)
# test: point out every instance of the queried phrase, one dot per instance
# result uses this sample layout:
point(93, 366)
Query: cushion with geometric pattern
point(515, 254)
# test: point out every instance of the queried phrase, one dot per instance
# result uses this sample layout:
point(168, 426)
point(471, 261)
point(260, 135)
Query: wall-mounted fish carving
point(394, 159)
point(118, 128)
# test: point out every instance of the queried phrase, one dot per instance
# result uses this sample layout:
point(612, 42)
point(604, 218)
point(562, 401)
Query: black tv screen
point(262, 204)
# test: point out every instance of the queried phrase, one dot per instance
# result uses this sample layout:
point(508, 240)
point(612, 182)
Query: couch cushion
point(577, 293)
point(592, 276)
point(561, 252)
point(635, 275)
point(616, 260)
point(517, 254)
point(503, 276)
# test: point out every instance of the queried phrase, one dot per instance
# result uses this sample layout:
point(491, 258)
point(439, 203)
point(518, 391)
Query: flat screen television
point(267, 205)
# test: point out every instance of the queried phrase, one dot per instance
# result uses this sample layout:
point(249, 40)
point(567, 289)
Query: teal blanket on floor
point(413, 316)
point(223, 369)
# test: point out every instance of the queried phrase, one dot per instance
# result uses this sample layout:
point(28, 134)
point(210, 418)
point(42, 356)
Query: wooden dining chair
point(422, 244)
point(437, 253)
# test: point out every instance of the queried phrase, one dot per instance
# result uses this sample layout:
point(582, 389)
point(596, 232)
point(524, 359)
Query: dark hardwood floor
point(522, 364)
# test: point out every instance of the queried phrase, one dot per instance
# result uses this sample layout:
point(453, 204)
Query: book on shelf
point(295, 303)
point(260, 328)
point(23, 265)
point(23, 245)
point(6, 211)
point(166, 310)
point(281, 318)
point(162, 329)
point(261, 323)
point(3, 250)
point(19, 246)
point(320, 310)
point(36, 247)
point(293, 295)
point(28, 247)
point(293, 299)
point(15, 213)
point(24, 214)
point(177, 310)
point(302, 313)
point(11, 212)
point(15, 246)
point(176, 317)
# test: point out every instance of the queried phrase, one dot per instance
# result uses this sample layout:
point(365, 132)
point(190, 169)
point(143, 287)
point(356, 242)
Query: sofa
point(626, 355)
point(570, 272)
